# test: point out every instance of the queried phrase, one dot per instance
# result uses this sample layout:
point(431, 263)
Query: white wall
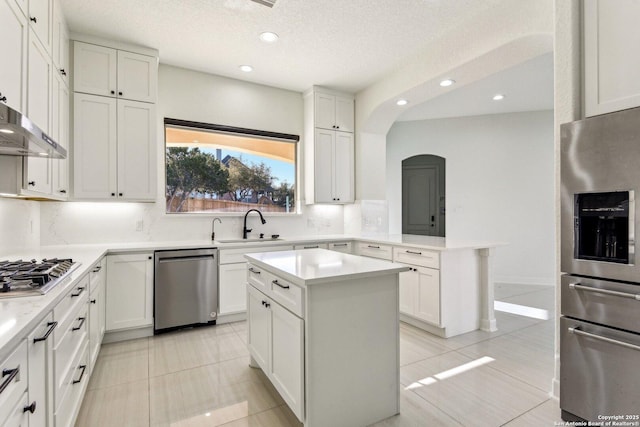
point(499, 185)
point(190, 95)
point(19, 225)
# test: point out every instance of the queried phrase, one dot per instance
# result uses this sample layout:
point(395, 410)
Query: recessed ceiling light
point(402, 102)
point(447, 82)
point(246, 68)
point(6, 131)
point(269, 37)
point(498, 97)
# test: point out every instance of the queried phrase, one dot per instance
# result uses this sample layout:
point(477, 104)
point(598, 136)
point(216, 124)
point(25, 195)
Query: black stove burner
point(31, 275)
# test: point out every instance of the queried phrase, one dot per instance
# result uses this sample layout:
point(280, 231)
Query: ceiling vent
point(269, 3)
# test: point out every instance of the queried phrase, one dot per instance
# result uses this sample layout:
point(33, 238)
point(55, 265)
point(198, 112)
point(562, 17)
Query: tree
point(281, 193)
point(190, 170)
point(245, 180)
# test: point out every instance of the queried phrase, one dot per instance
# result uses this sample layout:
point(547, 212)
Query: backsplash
point(86, 222)
point(19, 225)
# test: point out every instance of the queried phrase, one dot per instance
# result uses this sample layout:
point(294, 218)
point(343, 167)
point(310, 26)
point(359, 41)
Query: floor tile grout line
point(526, 412)
point(437, 407)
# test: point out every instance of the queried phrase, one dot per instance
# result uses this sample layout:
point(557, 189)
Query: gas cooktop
point(25, 278)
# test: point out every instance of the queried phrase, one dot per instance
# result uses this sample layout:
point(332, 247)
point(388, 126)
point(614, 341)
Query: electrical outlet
point(139, 225)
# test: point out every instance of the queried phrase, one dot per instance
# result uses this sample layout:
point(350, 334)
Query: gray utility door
point(423, 195)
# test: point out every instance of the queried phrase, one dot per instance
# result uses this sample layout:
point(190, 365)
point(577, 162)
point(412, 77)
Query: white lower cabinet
point(15, 382)
point(40, 358)
point(345, 247)
point(96, 311)
point(232, 288)
point(420, 294)
point(276, 343)
point(129, 291)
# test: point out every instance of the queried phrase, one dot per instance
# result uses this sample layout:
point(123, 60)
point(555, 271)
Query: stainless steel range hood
point(19, 136)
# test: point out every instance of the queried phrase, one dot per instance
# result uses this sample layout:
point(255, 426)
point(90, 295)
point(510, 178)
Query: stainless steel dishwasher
point(185, 288)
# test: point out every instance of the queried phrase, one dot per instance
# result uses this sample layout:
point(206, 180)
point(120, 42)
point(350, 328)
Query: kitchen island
point(324, 328)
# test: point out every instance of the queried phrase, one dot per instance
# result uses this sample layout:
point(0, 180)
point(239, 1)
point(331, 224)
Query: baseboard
point(229, 318)
point(524, 280)
point(127, 334)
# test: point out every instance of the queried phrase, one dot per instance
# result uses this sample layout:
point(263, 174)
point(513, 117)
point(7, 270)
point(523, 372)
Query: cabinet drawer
point(414, 256)
point(258, 277)
point(229, 256)
point(341, 247)
point(69, 304)
point(74, 337)
point(14, 380)
point(69, 396)
point(311, 246)
point(287, 295)
point(375, 250)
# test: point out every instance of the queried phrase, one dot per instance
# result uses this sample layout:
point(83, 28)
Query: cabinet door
point(136, 150)
point(325, 111)
point(428, 298)
point(611, 37)
point(17, 416)
point(13, 72)
point(324, 143)
point(39, 85)
point(343, 168)
point(94, 69)
point(233, 288)
point(287, 364)
point(129, 291)
point(137, 76)
point(344, 247)
point(259, 322)
point(60, 134)
point(60, 41)
point(408, 291)
point(344, 114)
point(94, 147)
point(40, 362)
point(40, 12)
point(96, 328)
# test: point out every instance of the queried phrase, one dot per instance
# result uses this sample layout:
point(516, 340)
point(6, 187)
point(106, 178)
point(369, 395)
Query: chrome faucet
point(246, 230)
point(213, 227)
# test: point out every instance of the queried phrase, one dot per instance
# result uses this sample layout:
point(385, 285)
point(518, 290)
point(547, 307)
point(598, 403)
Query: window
point(214, 168)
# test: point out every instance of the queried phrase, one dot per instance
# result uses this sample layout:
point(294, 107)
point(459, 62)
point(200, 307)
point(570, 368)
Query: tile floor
point(201, 377)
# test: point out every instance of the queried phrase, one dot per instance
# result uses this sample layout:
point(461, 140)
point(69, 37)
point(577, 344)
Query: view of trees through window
point(212, 171)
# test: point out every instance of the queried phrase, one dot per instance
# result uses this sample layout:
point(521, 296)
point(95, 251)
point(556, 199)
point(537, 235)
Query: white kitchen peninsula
point(324, 328)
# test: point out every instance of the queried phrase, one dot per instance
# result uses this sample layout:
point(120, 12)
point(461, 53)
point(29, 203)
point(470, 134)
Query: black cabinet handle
point(337, 127)
point(254, 271)
point(120, 93)
point(32, 183)
point(373, 247)
point(335, 245)
point(98, 268)
point(275, 282)
point(80, 290)
point(120, 194)
point(266, 304)
point(113, 92)
point(150, 257)
point(52, 326)
point(63, 72)
point(311, 247)
point(84, 368)
point(3, 98)
point(31, 408)
point(12, 373)
point(33, 19)
point(414, 253)
point(63, 191)
point(92, 301)
point(77, 328)
point(113, 194)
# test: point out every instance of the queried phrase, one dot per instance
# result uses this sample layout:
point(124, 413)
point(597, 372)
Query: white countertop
point(19, 315)
point(312, 266)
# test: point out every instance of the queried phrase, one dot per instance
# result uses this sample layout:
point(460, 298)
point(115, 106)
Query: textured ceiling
point(342, 44)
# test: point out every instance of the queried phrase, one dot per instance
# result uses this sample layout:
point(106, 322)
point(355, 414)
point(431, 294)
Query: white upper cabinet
point(60, 40)
point(39, 85)
point(104, 71)
point(14, 28)
point(94, 69)
point(40, 15)
point(137, 76)
point(329, 147)
point(334, 112)
point(611, 64)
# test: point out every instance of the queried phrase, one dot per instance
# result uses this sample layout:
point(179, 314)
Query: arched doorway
point(423, 195)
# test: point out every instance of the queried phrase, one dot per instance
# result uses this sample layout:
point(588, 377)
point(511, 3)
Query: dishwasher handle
point(185, 258)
